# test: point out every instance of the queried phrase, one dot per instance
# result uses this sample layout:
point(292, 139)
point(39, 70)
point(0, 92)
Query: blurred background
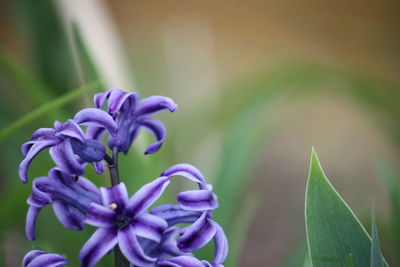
point(258, 83)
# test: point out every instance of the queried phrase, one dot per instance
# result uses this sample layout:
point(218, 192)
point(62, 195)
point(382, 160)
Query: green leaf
point(376, 254)
point(333, 231)
point(349, 261)
point(45, 109)
point(391, 181)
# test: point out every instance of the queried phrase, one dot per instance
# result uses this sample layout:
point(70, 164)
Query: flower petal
point(99, 244)
point(174, 214)
point(116, 194)
point(63, 155)
point(197, 235)
point(157, 129)
point(94, 132)
point(89, 150)
point(96, 117)
point(186, 170)
point(155, 104)
point(69, 216)
point(31, 218)
point(197, 200)
point(146, 196)
point(100, 216)
point(43, 134)
point(131, 248)
point(30, 256)
point(27, 146)
point(117, 98)
point(33, 151)
point(221, 244)
point(71, 129)
point(149, 226)
point(181, 261)
point(38, 258)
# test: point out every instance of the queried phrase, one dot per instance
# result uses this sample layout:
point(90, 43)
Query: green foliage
point(45, 109)
point(333, 231)
point(376, 254)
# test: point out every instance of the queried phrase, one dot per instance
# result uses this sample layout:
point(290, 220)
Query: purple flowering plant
point(128, 225)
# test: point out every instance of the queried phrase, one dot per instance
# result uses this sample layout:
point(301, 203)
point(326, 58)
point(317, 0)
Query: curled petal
point(100, 216)
point(174, 214)
point(146, 196)
point(115, 195)
point(31, 218)
point(197, 235)
point(99, 244)
point(96, 117)
point(72, 129)
point(131, 248)
point(118, 98)
point(157, 129)
point(198, 200)
point(69, 216)
point(63, 155)
point(155, 104)
point(38, 258)
point(186, 170)
point(26, 147)
point(43, 134)
point(33, 151)
point(149, 226)
point(181, 261)
point(221, 244)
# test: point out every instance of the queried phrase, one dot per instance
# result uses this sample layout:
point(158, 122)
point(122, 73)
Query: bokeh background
point(258, 84)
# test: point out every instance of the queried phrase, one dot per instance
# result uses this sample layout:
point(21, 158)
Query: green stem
point(119, 258)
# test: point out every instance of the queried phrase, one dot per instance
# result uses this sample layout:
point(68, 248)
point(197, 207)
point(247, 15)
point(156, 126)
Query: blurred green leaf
point(46, 41)
point(45, 109)
point(28, 83)
point(376, 254)
point(390, 180)
point(333, 231)
point(349, 261)
point(240, 228)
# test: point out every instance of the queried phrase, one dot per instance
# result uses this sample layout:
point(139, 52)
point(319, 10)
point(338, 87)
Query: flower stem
point(119, 258)
point(113, 166)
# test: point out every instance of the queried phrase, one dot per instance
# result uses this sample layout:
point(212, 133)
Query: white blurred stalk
point(192, 73)
point(101, 38)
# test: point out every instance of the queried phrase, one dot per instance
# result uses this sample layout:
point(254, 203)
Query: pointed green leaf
point(333, 231)
point(376, 254)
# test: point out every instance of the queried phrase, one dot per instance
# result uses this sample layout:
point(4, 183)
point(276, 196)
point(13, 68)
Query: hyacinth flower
point(196, 207)
point(70, 199)
point(39, 258)
point(70, 147)
point(131, 114)
point(121, 220)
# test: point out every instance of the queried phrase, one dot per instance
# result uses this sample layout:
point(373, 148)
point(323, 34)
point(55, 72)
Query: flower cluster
point(143, 235)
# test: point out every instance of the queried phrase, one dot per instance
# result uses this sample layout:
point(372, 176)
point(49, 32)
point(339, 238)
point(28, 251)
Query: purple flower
point(39, 258)
point(203, 228)
point(70, 200)
point(122, 221)
point(70, 147)
point(132, 114)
